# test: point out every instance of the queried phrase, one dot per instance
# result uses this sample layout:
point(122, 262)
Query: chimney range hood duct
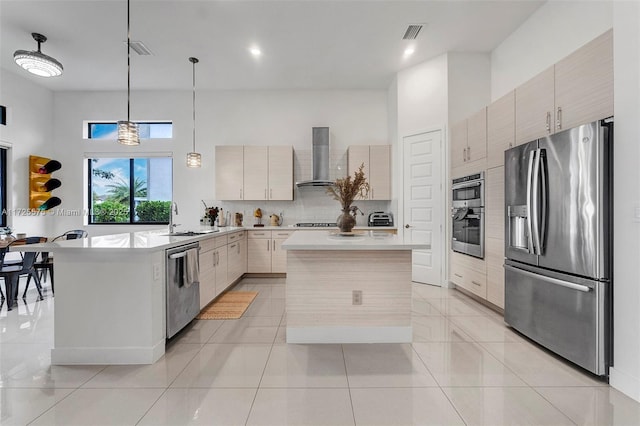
point(320, 159)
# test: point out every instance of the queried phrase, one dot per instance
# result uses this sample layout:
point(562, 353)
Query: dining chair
point(45, 265)
point(11, 273)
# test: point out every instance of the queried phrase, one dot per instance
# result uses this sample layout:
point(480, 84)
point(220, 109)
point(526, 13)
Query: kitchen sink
point(190, 233)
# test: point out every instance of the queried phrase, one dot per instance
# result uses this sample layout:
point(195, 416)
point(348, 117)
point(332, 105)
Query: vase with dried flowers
point(345, 191)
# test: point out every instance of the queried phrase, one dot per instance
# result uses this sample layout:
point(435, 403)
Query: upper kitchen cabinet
point(477, 136)
point(577, 90)
point(584, 84)
point(458, 144)
point(469, 144)
point(377, 168)
point(229, 170)
point(280, 173)
point(257, 173)
point(501, 128)
point(534, 107)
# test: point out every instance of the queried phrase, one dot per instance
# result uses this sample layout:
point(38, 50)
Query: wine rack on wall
point(41, 184)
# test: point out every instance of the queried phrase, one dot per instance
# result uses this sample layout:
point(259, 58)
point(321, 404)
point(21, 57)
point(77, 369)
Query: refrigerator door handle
point(551, 280)
point(529, 215)
point(543, 212)
point(535, 205)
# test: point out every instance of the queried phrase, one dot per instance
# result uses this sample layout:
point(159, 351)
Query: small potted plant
point(345, 191)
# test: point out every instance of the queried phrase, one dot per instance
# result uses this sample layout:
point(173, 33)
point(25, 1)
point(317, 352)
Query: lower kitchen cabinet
point(237, 256)
point(264, 251)
point(222, 268)
point(279, 256)
point(223, 260)
point(495, 271)
point(470, 273)
point(207, 260)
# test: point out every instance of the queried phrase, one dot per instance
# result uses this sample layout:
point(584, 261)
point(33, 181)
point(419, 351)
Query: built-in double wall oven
point(467, 215)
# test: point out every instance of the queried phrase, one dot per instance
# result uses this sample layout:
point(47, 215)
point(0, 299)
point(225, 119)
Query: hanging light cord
point(128, 62)
point(194, 103)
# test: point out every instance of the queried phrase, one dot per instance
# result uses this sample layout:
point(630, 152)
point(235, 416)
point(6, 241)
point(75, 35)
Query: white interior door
point(423, 203)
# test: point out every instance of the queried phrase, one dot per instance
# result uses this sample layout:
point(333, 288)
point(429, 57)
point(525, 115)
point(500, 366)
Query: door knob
point(407, 226)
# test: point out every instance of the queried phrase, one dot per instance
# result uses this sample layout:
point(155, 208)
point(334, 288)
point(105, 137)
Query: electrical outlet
point(356, 298)
point(156, 271)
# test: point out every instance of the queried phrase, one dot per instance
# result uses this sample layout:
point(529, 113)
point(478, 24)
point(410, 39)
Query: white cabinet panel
point(280, 173)
point(256, 172)
point(229, 172)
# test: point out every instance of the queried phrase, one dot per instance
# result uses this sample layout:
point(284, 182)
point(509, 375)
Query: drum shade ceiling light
point(37, 62)
point(194, 159)
point(128, 133)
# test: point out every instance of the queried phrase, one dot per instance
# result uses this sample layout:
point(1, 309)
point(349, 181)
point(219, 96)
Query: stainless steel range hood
point(320, 159)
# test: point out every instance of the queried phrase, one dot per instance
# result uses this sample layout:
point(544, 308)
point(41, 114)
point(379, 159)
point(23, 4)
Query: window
point(148, 130)
point(130, 190)
point(3, 186)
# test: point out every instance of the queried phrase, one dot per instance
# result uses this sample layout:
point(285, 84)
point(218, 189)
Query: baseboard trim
point(625, 383)
point(107, 355)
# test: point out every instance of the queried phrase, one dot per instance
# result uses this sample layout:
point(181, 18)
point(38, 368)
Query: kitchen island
point(110, 298)
point(353, 288)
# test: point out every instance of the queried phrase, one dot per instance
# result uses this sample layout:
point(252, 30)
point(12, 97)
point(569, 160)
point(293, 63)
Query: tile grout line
point(346, 374)
point(264, 368)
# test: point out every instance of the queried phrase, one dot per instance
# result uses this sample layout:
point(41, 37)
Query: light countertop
point(359, 240)
point(139, 241)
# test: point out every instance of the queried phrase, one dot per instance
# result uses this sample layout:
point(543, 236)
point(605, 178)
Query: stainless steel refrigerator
point(558, 243)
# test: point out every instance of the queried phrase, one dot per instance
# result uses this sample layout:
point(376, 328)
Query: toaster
point(380, 219)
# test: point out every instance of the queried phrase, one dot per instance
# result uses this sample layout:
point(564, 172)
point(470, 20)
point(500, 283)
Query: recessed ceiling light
point(255, 51)
point(409, 51)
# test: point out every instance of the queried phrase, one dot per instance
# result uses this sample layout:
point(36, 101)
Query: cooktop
point(316, 225)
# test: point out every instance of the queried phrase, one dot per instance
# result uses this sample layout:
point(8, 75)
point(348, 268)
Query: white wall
point(224, 118)
point(423, 97)
point(29, 131)
point(625, 375)
point(555, 30)
point(469, 81)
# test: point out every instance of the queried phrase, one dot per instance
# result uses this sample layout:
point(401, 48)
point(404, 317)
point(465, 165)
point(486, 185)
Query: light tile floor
point(465, 367)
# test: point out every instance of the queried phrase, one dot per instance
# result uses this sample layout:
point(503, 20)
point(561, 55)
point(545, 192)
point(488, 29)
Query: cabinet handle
point(548, 125)
point(268, 245)
point(468, 153)
point(458, 275)
point(559, 118)
point(464, 155)
point(241, 193)
point(265, 193)
point(510, 145)
point(476, 283)
point(274, 245)
point(371, 197)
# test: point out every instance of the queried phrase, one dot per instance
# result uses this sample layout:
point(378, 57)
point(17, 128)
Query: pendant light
point(128, 130)
point(37, 62)
point(194, 159)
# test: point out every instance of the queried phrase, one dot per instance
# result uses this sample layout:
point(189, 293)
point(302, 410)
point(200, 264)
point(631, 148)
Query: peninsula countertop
point(140, 241)
point(358, 240)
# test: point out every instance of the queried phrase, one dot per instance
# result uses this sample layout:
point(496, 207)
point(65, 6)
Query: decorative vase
point(346, 221)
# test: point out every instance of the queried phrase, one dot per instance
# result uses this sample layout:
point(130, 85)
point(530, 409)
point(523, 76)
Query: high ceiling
point(305, 44)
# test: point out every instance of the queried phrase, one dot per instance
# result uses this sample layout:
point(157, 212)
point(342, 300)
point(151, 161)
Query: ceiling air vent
point(140, 48)
point(412, 31)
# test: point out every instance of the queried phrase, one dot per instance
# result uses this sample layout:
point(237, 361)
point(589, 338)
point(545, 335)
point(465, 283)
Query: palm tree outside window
point(129, 190)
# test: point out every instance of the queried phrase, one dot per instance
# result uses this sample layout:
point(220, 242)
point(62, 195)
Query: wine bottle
point(48, 204)
point(50, 167)
point(44, 184)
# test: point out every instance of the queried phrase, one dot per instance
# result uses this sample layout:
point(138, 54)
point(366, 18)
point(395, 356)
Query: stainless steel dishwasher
point(183, 300)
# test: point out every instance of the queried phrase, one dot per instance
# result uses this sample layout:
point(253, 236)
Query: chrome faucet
point(173, 208)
